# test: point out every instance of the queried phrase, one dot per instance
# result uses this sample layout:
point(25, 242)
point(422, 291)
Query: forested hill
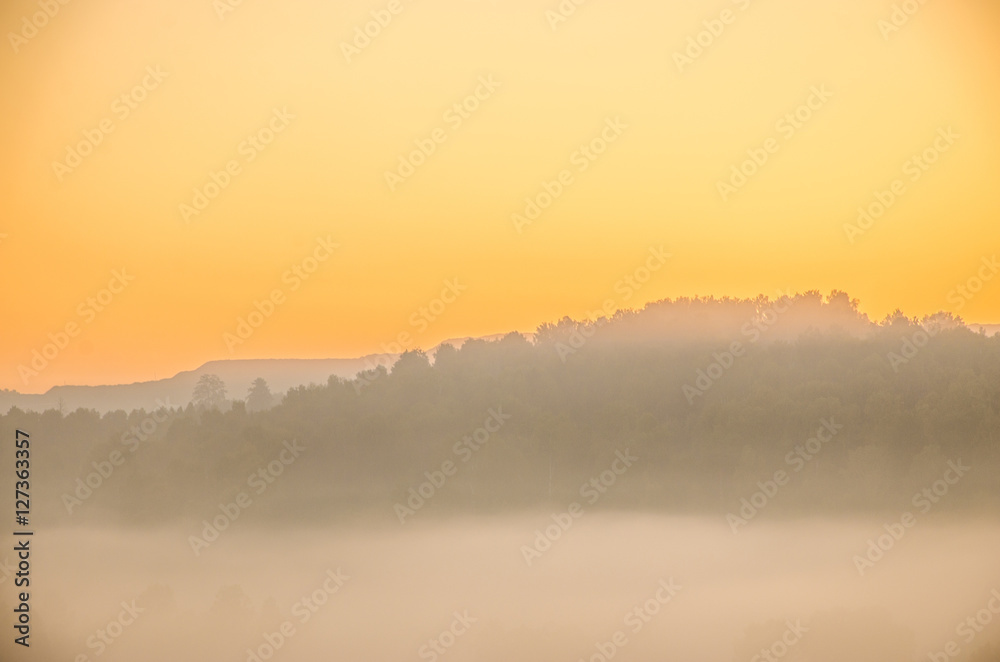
point(710, 397)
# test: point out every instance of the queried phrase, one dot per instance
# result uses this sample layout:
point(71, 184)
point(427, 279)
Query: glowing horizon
point(236, 163)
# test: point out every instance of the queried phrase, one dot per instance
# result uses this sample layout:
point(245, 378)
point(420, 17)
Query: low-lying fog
point(383, 593)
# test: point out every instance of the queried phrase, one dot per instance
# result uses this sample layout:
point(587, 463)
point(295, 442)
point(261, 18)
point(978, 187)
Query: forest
point(714, 398)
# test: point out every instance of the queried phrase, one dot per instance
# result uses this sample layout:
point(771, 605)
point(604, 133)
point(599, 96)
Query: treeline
point(712, 397)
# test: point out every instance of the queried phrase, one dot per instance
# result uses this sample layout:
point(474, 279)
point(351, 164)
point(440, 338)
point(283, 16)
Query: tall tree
point(209, 392)
point(259, 396)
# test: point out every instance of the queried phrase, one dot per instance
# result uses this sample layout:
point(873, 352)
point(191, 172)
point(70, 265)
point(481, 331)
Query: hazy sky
point(207, 83)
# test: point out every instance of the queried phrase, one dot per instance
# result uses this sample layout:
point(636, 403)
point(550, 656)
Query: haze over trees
point(438, 472)
point(209, 393)
point(713, 396)
point(259, 396)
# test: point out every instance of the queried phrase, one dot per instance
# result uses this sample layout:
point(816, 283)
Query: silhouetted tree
point(259, 396)
point(209, 392)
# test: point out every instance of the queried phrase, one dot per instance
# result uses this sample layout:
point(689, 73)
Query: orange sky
point(198, 86)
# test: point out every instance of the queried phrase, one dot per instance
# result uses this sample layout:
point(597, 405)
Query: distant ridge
point(238, 374)
point(986, 329)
